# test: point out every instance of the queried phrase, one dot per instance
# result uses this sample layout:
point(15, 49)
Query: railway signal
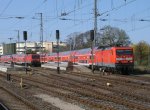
point(92, 35)
point(57, 37)
point(92, 47)
point(25, 35)
point(25, 39)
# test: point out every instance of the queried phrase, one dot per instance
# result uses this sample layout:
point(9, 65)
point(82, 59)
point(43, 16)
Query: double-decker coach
point(30, 59)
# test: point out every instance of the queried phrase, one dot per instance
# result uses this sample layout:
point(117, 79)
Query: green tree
point(141, 53)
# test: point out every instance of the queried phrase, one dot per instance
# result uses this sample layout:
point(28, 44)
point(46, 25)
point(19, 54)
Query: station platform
point(4, 67)
point(53, 65)
point(64, 66)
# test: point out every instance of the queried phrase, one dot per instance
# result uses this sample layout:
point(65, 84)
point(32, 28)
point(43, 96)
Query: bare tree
point(113, 36)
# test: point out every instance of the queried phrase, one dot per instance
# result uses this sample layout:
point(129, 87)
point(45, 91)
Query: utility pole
point(12, 65)
point(41, 32)
point(95, 22)
point(18, 37)
point(18, 42)
point(10, 44)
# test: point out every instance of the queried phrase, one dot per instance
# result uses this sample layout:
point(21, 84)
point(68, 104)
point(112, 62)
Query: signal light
point(25, 35)
point(57, 34)
point(92, 35)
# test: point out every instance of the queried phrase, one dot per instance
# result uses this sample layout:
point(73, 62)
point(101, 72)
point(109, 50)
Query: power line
point(6, 7)
point(118, 7)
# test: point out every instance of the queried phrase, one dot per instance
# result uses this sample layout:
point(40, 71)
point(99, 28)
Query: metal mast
point(95, 22)
point(18, 42)
point(10, 52)
point(41, 32)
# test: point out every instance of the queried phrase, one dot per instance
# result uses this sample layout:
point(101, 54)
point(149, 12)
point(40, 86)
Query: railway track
point(132, 78)
point(117, 81)
point(84, 91)
point(139, 84)
point(14, 101)
point(53, 88)
point(127, 104)
point(96, 85)
point(3, 107)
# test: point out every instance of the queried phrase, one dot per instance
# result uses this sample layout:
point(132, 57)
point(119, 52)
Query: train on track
point(30, 59)
point(103, 58)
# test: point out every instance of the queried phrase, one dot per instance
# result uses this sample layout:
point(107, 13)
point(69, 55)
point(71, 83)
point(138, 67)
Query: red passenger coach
point(65, 56)
point(43, 58)
point(83, 56)
point(51, 57)
point(6, 58)
point(30, 59)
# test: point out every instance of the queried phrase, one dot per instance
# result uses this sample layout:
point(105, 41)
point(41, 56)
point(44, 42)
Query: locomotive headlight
point(128, 58)
point(118, 59)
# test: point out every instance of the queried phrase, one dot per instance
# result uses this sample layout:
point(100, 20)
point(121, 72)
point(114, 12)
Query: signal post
point(92, 47)
point(57, 37)
point(25, 39)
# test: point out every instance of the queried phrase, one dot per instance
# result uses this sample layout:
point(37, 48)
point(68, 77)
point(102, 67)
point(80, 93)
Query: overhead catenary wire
point(6, 7)
point(75, 12)
point(117, 8)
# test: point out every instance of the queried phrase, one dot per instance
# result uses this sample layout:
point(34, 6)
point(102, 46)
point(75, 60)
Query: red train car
point(43, 58)
point(65, 56)
point(30, 59)
point(51, 57)
point(104, 58)
point(5, 59)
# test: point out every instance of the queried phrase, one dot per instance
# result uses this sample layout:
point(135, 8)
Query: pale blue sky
point(117, 13)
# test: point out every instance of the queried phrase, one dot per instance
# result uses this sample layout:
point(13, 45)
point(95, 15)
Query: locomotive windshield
point(124, 52)
point(35, 56)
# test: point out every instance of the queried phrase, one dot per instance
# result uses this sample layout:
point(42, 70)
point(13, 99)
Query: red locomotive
point(104, 58)
point(30, 59)
point(114, 58)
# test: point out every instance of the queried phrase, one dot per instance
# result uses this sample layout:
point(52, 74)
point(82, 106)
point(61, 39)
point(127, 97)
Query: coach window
point(76, 57)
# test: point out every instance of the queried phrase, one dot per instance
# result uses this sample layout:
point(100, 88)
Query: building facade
point(1, 49)
point(19, 48)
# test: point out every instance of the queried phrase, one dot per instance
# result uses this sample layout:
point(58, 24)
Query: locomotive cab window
point(124, 52)
point(35, 56)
